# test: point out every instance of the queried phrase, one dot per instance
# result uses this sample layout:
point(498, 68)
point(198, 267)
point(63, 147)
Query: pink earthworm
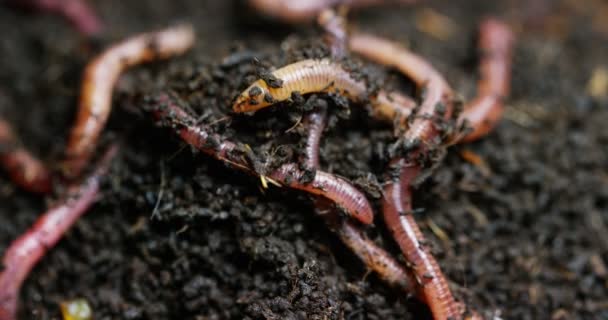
point(99, 79)
point(322, 184)
point(25, 252)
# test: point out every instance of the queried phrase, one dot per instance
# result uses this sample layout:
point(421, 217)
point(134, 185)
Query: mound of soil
point(177, 235)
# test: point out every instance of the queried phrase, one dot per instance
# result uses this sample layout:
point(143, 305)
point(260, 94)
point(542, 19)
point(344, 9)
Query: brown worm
point(433, 286)
point(25, 252)
point(323, 184)
point(27, 171)
point(309, 76)
point(495, 49)
point(99, 79)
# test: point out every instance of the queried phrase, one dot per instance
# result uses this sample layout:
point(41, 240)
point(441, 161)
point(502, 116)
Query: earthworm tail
point(495, 48)
point(25, 169)
point(99, 79)
point(23, 254)
point(323, 184)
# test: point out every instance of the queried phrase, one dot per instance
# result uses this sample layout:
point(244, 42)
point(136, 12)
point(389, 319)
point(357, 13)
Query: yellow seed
point(77, 309)
point(264, 183)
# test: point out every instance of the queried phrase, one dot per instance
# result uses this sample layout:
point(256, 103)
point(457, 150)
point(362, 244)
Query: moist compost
point(521, 231)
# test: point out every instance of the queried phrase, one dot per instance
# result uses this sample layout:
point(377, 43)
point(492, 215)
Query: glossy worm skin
point(433, 287)
point(310, 76)
point(27, 171)
point(99, 79)
point(77, 12)
point(25, 252)
point(323, 184)
point(495, 49)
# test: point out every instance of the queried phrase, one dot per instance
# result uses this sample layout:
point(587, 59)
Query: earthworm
point(373, 256)
point(321, 183)
point(437, 93)
point(397, 208)
point(335, 34)
point(296, 11)
point(314, 122)
point(25, 169)
point(77, 12)
point(25, 252)
point(99, 79)
point(308, 76)
point(495, 49)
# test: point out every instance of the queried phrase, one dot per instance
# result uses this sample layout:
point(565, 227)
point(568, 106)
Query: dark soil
point(178, 235)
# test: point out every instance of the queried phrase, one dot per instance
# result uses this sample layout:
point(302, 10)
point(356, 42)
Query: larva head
point(253, 98)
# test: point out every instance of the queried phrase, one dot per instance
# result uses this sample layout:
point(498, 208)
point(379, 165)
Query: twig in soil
point(99, 79)
point(25, 252)
point(78, 12)
point(27, 171)
point(237, 155)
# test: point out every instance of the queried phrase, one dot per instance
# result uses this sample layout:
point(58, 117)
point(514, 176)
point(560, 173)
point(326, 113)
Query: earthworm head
point(256, 97)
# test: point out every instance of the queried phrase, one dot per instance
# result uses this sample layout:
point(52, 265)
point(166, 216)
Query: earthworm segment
point(25, 252)
point(99, 79)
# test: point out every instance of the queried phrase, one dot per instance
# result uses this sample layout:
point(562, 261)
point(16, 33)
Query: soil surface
point(178, 235)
